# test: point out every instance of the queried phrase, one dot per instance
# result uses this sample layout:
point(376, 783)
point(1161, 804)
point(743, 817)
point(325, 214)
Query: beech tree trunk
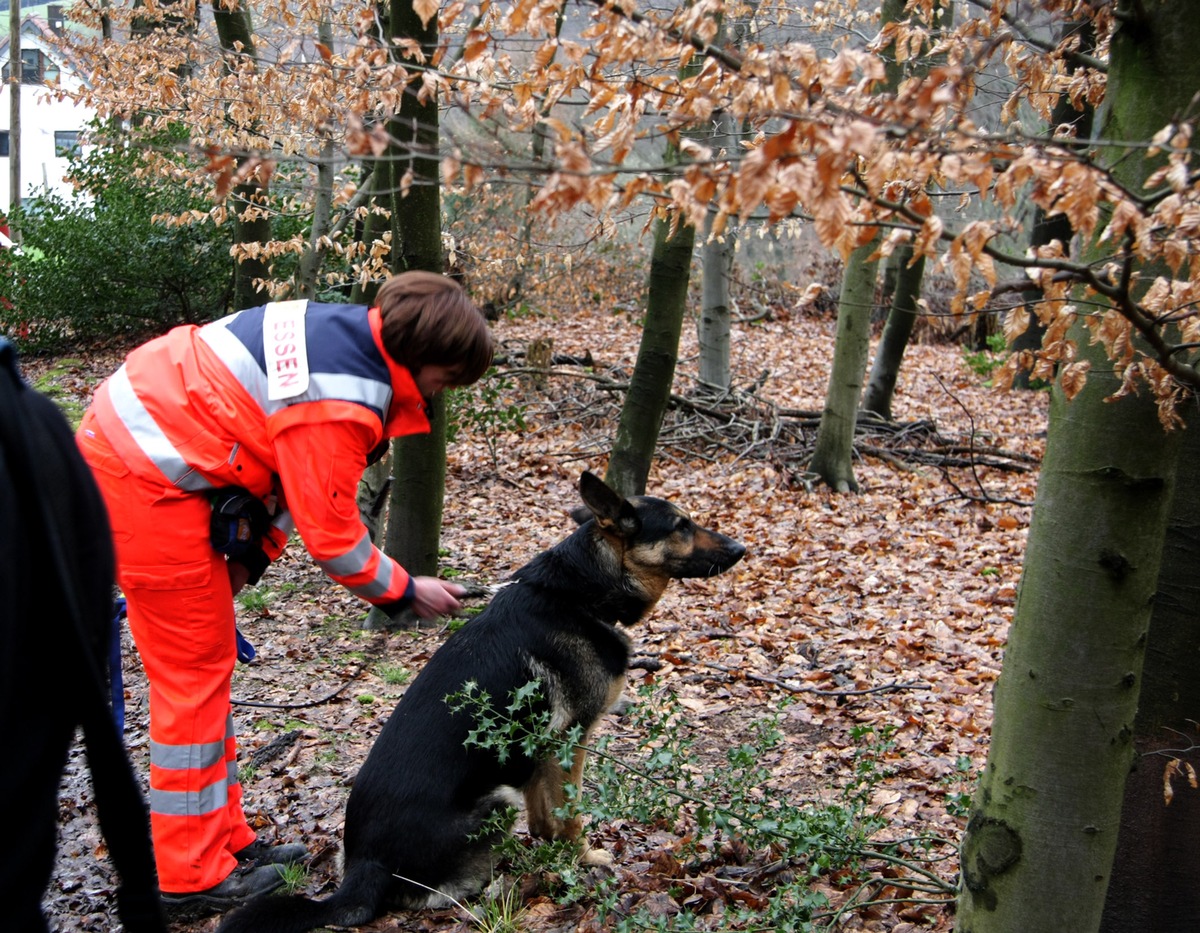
point(419, 461)
point(881, 384)
point(713, 327)
point(833, 453)
point(1157, 863)
point(908, 276)
point(250, 224)
point(1039, 848)
point(654, 371)
point(1046, 229)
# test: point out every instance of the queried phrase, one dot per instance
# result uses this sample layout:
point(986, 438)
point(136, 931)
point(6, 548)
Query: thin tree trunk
point(713, 327)
point(541, 135)
point(1039, 847)
point(418, 461)
point(833, 452)
point(654, 371)
point(905, 277)
point(311, 259)
point(251, 222)
point(1045, 228)
point(881, 384)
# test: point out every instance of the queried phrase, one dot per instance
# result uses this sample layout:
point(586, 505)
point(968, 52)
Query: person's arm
point(320, 465)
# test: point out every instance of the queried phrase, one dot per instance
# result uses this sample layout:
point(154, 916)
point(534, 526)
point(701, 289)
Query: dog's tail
point(359, 900)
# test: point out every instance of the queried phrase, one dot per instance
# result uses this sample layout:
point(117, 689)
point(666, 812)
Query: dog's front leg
point(546, 793)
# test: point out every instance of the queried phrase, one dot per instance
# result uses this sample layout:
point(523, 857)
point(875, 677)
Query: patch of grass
point(395, 674)
point(295, 877)
point(256, 599)
point(985, 362)
point(502, 912)
point(48, 385)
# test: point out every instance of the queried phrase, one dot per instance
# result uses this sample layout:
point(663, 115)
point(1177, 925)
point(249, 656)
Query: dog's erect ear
point(611, 511)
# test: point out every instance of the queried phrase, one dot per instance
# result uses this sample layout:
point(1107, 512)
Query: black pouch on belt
point(239, 520)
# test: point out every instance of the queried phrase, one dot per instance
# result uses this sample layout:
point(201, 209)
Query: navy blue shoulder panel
point(338, 338)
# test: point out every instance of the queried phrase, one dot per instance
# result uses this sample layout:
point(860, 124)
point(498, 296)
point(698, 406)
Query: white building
point(50, 128)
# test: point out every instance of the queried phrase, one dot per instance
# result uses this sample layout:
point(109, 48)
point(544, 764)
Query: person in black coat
point(56, 611)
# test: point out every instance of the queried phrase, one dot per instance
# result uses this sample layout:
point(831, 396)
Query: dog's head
point(654, 540)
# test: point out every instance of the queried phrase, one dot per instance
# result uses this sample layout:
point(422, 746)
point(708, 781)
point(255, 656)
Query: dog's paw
point(597, 858)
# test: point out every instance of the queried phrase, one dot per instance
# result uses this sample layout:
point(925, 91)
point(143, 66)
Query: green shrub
point(104, 263)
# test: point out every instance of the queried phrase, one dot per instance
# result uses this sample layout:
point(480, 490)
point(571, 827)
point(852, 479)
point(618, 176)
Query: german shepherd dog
point(414, 832)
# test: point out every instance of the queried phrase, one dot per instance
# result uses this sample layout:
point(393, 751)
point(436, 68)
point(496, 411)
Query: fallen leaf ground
point(885, 610)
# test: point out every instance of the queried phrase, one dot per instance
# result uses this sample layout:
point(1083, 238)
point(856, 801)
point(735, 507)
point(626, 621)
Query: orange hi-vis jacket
point(289, 401)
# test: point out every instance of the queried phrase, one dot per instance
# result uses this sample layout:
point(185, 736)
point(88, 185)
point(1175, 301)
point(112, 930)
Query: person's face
point(434, 379)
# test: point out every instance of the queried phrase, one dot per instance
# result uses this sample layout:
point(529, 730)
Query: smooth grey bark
point(654, 371)
point(714, 326)
point(833, 453)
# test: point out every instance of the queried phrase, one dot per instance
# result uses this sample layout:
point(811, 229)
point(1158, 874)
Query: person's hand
point(239, 575)
point(433, 597)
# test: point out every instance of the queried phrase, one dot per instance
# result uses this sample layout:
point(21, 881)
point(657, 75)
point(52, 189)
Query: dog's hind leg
point(546, 794)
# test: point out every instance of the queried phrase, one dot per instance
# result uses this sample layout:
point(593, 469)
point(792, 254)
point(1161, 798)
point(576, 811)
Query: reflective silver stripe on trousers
point(191, 758)
point(208, 799)
point(149, 436)
point(190, 803)
point(355, 561)
point(183, 757)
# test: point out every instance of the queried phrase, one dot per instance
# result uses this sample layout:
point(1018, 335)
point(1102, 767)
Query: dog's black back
point(415, 813)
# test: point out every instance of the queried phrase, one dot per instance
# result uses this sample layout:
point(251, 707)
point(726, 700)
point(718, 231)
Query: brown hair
point(428, 320)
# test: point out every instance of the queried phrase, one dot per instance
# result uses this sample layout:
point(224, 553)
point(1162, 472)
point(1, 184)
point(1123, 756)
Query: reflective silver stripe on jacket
point(355, 561)
point(149, 436)
point(321, 386)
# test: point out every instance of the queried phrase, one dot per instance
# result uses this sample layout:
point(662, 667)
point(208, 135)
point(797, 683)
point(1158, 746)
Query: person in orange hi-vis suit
point(277, 410)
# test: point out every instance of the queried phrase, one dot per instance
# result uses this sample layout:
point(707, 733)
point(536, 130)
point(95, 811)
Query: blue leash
point(245, 654)
point(114, 667)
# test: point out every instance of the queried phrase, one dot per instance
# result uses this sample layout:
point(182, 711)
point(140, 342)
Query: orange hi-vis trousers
point(181, 615)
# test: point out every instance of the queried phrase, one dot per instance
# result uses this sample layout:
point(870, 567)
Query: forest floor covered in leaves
point(866, 628)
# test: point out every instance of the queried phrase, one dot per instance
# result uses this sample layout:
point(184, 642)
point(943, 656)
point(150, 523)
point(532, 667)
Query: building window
point(3, 142)
point(36, 68)
point(66, 143)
